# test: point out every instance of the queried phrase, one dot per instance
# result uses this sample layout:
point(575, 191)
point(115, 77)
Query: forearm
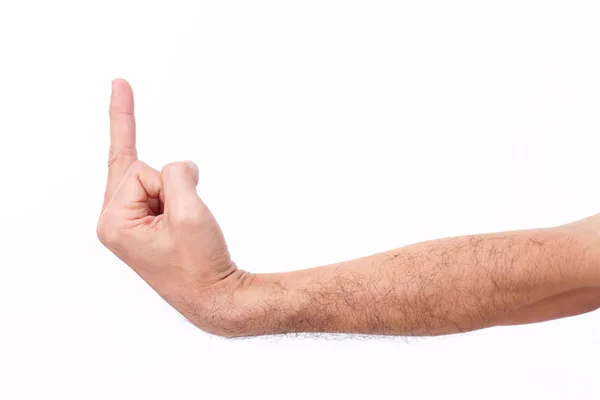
point(431, 288)
point(565, 304)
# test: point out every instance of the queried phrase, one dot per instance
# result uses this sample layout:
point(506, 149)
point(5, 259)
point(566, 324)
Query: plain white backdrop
point(324, 130)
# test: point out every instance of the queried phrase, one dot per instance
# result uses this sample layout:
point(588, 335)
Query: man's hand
point(156, 223)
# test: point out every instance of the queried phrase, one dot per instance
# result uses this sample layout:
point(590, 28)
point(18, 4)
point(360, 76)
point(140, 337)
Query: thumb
point(181, 201)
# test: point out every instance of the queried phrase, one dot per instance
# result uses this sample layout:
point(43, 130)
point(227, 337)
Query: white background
point(324, 130)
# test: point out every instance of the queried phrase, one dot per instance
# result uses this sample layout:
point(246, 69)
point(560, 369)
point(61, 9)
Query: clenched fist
point(156, 223)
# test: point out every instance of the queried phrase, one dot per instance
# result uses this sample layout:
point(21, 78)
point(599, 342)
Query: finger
point(181, 200)
point(140, 185)
point(129, 203)
point(155, 205)
point(122, 135)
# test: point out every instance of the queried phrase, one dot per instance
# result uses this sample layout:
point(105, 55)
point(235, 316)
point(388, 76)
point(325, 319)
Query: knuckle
point(185, 218)
point(134, 168)
point(181, 169)
point(175, 168)
point(107, 234)
point(114, 111)
point(115, 154)
point(137, 166)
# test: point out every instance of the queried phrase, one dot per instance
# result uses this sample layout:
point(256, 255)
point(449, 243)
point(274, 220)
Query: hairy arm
point(158, 225)
point(432, 288)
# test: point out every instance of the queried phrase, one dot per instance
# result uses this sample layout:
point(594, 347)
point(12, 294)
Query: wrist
point(253, 304)
point(262, 304)
point(219, 308)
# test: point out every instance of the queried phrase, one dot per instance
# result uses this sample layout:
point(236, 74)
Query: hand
point(156, 223)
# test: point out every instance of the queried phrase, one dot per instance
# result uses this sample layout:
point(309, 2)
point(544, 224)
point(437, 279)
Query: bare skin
point(157, 224)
